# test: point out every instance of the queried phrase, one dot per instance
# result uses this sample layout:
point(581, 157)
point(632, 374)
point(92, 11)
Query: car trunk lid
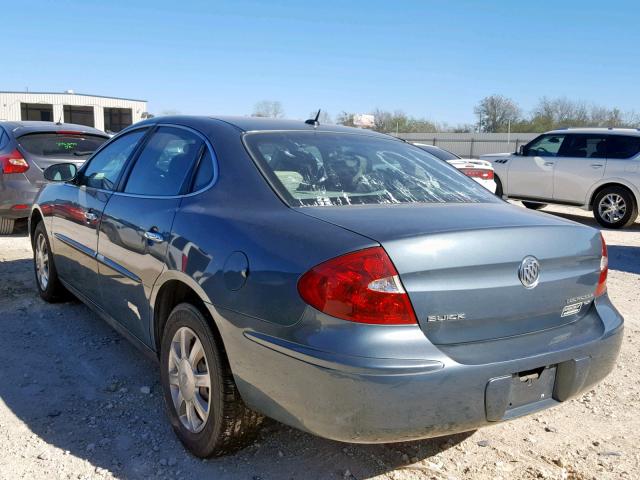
point(459, 264)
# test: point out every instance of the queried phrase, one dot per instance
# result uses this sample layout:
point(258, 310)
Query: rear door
point(580, 163)
point(77, 212)
point(531, 175)
point(137, 222)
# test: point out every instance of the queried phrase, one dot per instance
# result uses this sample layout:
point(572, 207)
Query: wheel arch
point(620, 183)
point(34, 218)
point(171, 289)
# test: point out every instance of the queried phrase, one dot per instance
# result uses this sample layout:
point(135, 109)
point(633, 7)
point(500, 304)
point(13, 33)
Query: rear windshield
point(60, 145)
point(439, 153)
point(329, 169)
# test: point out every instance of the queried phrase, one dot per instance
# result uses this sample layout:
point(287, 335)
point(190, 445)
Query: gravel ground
point(78, 401)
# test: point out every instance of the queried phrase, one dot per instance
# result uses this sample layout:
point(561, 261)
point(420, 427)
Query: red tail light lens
point(13, 163)
point(362, 286)
point(485, 174)
point(604, 270)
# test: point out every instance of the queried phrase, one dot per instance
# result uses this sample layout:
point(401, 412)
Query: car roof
point(257, 124)
point(599, 131)
point(22, 128)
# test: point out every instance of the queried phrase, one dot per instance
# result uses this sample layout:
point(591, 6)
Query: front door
point(581, 163)
point(137, 222)
point(77, 212)
point(531, 175)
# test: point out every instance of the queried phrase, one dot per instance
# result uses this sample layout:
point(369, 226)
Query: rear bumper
point(16, 190)
point(377, 400)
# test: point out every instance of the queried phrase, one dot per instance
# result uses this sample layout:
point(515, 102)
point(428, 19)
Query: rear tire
point(6, 226)
point(534, 206)
point(615, 207)
point(201, 397)
point(47, 282)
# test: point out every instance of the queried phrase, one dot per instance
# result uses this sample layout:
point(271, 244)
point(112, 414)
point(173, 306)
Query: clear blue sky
point(432, 59)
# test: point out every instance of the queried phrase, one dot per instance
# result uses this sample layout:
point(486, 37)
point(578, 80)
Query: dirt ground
point(78, 401)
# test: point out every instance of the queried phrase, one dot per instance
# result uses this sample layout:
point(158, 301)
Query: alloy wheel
point(189, 379)
point(612, 207)
point(42, 261)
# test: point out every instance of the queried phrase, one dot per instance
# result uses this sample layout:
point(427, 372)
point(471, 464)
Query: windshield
point(57, 145)
point(322, 168)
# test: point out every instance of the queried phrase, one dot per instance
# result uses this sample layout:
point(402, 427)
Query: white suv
point(594, 168)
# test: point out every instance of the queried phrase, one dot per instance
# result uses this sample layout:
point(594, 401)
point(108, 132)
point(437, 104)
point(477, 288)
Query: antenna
point(314, 121)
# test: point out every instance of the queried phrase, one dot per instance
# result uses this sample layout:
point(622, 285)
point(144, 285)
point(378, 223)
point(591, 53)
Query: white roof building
point(110, 114)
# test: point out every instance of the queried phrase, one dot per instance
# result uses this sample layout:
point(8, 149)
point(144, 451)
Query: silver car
point(26, 149)
point(597, 169)
point(340, 281)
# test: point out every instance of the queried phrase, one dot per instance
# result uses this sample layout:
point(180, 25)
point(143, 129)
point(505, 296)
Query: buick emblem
point(529, 272)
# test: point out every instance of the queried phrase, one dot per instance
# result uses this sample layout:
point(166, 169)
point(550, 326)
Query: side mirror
point(521, 151)
point(61, 172)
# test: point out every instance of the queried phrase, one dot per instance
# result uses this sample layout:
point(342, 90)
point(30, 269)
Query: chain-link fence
point(472, 145)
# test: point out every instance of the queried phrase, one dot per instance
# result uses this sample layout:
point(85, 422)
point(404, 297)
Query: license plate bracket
point(531, 386)
point(520, 393)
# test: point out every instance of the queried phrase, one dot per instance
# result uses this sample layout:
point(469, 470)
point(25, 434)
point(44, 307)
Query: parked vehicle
point(26, 149)
point(597, 169)
point(480, 170)
point(338, 280)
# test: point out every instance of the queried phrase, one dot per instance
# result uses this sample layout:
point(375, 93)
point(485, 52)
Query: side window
point(584, 146)
point(165, 162)
point(545, 146)
point(619, 146)
point(205, 172)
point(104, 168)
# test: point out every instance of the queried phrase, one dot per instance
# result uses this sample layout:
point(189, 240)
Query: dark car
point(338, 280)
point(26, 149)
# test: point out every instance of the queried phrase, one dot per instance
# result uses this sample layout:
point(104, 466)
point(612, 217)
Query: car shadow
point(76, 384)
point(590, 221)
point(624, 258)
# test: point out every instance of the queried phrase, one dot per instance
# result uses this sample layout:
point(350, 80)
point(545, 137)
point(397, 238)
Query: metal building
point(110, 114)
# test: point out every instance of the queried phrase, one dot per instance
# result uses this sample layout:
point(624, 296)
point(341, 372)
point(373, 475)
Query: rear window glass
point(328, 169)
point(56, 145)
point(439, 153)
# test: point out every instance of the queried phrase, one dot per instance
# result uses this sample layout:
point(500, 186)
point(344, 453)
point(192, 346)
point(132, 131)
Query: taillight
point(604, 270)
point(483, 173)
point(13, 163)
point(362, 286)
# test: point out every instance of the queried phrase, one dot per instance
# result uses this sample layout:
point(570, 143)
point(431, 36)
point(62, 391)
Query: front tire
point(534, 206)
point(6, 226)
point(202, 400)
point(615, 207)
point(47, 282)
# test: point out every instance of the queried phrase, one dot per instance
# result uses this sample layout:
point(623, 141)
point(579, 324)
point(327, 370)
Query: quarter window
point(103, 169)
point(619, 146)
point(165, 163)
point(205, 172)
point(545, 146)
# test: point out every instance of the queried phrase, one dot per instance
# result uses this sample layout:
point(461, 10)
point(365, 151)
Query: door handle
point(596, 165)
point(90, 216)
point(548, 164)
point(154, 236)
